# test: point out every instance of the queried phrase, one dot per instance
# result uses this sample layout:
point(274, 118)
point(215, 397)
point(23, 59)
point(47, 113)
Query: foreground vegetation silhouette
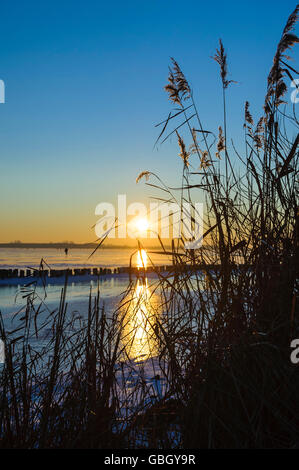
point(222, 375)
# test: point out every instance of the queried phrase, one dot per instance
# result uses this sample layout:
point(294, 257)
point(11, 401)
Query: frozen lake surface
point(13, 258)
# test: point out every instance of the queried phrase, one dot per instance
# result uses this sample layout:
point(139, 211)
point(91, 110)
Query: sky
point(84, 89)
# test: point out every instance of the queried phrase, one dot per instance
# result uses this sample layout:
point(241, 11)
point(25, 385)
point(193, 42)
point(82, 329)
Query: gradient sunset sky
point(84, 89)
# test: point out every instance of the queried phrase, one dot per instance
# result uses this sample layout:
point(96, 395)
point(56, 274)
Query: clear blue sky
point(84, 88)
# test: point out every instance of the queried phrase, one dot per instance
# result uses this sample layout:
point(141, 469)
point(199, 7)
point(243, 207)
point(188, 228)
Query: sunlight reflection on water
point(141, 322)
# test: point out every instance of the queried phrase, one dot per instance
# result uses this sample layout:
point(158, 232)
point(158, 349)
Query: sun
point(142, 225)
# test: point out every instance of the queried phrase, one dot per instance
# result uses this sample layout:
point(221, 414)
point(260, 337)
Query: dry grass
point(221, 334)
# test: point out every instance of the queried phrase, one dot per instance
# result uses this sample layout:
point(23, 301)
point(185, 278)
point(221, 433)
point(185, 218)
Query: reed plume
point(220, 143)
point(221, 58)
point(248, 116)
point(143, 174)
